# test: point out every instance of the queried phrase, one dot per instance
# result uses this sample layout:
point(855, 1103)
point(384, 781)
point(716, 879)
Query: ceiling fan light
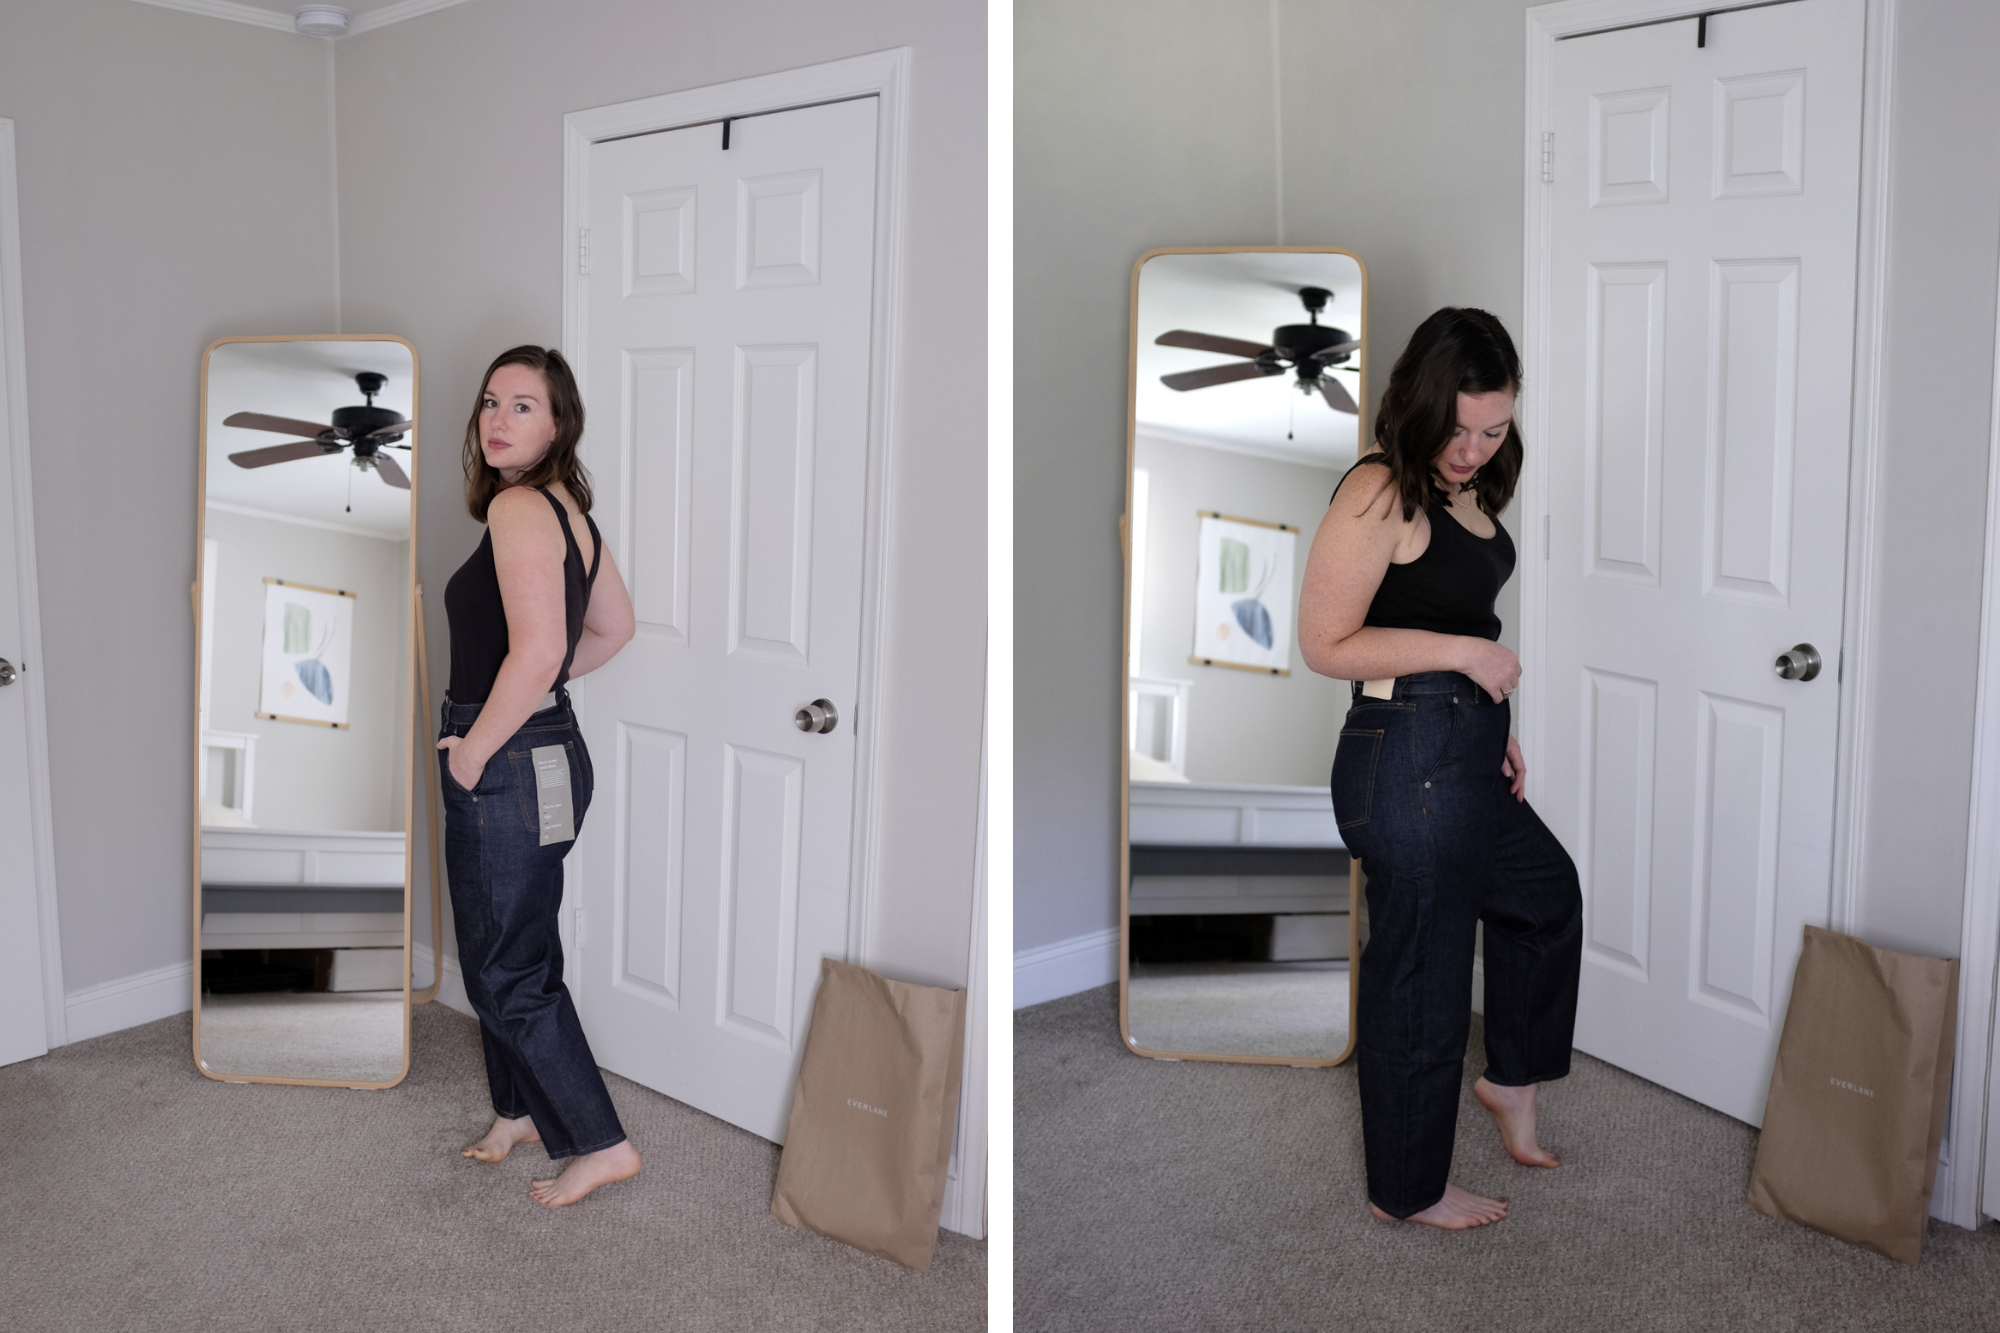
point(321, 20)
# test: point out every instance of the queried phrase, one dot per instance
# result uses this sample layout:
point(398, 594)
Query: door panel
point(1703, 223)
point(726, 370)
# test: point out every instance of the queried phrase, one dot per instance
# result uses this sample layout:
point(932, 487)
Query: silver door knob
point(1801, 663)
point(7, 672)
point(818, 716)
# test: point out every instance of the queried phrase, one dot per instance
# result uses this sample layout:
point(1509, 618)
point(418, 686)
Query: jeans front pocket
point(1354, 775)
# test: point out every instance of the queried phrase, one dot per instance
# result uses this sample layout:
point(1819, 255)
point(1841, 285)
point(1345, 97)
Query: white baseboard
point(165, 991)
point(129, 1001)
point(1051, 971)
point(452, 993)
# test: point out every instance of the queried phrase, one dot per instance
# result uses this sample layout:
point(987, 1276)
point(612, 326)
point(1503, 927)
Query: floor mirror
point(1241, 927)
point(305, 599)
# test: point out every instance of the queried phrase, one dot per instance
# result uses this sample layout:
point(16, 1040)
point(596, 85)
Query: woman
point(537, 605)
point(1427, 783)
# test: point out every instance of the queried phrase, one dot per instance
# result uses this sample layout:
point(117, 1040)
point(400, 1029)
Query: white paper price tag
point(552, 793)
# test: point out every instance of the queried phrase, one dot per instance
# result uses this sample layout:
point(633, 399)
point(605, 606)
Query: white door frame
point(964, 1209)
point(14, 454)
point(1979, 1037)
point(884, 75)
point(1956, 1198)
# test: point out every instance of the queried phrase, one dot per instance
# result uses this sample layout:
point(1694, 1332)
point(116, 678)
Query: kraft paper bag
point(872, 1116)
point(1858, 1096)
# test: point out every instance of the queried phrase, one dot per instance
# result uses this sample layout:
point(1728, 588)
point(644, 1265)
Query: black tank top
point(1451, 587)
point(478, 618)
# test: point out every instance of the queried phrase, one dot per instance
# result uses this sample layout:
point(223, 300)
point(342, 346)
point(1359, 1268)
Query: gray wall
point(451, 116)
point(174, 188)
point(314, 777)
point(177, 184)
point(1144, 124)
point(1243, 726)
point(1141, 125)
point(1138, 123)
point(1944, 229)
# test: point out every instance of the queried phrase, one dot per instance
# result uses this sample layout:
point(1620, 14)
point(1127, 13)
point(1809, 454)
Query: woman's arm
point(528, 551)
point(607, 621)
point(1351, 552)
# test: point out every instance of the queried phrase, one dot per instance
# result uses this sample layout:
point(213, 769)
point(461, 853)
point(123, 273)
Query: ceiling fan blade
point(1338, 349)
point(283, 425)
point(391, 472)
point(277, 453)
point(1209, 342)
point(1212, 375)
point(396, 428)
point(1337, 397)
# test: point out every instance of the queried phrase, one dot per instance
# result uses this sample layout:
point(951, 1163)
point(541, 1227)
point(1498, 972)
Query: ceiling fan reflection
point(1309, 350)
point(367, 430)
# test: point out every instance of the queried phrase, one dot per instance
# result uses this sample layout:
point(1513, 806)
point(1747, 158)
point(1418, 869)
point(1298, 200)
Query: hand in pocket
point(458, 761)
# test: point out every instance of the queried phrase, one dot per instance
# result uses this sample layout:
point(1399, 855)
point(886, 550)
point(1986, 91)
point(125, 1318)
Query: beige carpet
point(135, 1194)
point(355, 1036)
point(1152, 1196)
point(1283, 1009)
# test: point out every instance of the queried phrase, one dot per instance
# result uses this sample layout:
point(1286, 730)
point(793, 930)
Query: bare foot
point(1456, 1211)
point(500, 1139)
point(1513, 1109)
point(583, 1174)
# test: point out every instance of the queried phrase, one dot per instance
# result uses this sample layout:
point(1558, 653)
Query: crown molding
point(228, 9)
point(263, 18)
point(396, 13)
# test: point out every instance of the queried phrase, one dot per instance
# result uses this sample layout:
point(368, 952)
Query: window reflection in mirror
point(304, 713)
point(1249, 381)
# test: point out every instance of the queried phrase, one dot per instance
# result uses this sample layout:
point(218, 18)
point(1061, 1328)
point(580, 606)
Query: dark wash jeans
point(1420, 799)
point(505, 892)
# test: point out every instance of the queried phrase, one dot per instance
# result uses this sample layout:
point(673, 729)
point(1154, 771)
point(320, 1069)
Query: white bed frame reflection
point(292, 889)
point(1220, 816)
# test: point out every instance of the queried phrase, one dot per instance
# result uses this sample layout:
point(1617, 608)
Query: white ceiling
point(306, 380)
point(1244, 295)
point(362, 14)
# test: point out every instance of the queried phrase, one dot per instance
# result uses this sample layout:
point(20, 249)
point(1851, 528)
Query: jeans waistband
point(464, 715)
point(1454, 683)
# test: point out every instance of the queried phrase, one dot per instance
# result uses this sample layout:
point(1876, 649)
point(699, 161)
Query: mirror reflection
point(305, 708)
point(1248, 386)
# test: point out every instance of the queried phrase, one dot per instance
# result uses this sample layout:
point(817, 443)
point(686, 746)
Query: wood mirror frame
point(1356, 880)
point(415, 683)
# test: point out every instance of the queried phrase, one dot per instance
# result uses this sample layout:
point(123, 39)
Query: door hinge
point(1548, 157)
point(577, 929)
point(1545, 536)
point(583, 250)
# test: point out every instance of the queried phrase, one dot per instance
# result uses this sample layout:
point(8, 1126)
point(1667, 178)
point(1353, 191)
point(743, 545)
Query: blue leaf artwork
point(1252, 615)
point(316, 678)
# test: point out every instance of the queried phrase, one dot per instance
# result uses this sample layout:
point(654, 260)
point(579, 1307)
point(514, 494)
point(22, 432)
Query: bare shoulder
point(519, 512)
point(1367, 491)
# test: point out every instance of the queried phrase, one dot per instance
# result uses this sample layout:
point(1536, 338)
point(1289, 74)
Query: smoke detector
point(321, 20)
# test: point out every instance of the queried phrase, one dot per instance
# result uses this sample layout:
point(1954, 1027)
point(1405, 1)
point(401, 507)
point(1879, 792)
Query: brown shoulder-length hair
point(560, 463)
point(1457, 350)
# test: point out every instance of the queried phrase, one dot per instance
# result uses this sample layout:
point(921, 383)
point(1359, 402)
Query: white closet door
point(728, 315)
point(23, 1029)
point(1702, 305)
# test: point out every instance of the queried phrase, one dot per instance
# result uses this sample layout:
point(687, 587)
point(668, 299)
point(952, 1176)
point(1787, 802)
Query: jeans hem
point(582, 1152)
point(1487, 1074)
point(1404, 1217)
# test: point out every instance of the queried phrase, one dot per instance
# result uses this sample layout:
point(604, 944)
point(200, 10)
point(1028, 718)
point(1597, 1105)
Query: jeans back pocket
point(1354, 775)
